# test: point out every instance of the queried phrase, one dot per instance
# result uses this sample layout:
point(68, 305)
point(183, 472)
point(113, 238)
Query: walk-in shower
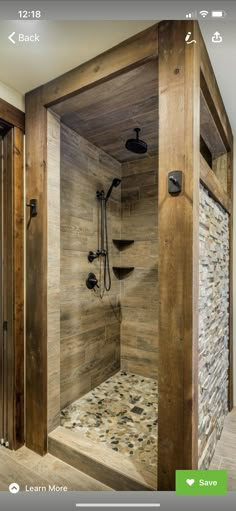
point(103, 249)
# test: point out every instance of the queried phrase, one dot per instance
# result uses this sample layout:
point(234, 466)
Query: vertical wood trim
point(36, 276)
point(12, 285)
point(179, 136)
point(18, 285)
point(8, 285)
point(53, 247)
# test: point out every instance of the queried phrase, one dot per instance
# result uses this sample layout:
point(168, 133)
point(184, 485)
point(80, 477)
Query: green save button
point(201, 482)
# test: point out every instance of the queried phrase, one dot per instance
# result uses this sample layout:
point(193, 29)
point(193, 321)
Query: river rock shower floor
point(121, 413)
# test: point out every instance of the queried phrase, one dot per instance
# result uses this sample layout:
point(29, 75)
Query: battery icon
point(218, 14)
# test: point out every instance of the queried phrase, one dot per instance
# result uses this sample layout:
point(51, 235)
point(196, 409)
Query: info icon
point(14, 488)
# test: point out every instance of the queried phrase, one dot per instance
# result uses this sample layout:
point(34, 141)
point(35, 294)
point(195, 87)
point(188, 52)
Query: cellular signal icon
point(204, 13)
point(191, 15)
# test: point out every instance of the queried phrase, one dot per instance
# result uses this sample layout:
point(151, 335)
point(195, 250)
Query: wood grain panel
point(90, 327)
point(179, 139)
point(133, 52)
point(139, 291)
point(12, 289)
point(8, 285)
point(107, 119)
point(220, 168)
point(12, 115)
point(209, 130)
point(211, 182)
point(53, 244)
point(18, 286)
point(36, 276)
point(100, 462)
point(28, 468)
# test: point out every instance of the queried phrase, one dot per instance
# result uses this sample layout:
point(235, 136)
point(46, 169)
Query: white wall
point(234, 273)
point(12, 96)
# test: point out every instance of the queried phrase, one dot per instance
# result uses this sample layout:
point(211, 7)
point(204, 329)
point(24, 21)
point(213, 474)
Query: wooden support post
point(179, 141)
point(36, 276)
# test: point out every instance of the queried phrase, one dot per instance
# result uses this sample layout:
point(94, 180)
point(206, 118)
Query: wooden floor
point(27, 468)
point(225, 455)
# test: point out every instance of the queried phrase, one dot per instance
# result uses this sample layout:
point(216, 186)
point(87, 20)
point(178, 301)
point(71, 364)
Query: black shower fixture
point(116, 182)
point(103, 249)
point(135, 145)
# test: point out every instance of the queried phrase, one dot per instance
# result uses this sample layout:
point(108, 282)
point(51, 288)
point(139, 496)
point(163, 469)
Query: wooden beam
point(213, 97)
point(213, 185)
point(36, 276)
point(220, 169)
point(129, 54)
point(12, 115)
point(209, 130)
point(179, 147)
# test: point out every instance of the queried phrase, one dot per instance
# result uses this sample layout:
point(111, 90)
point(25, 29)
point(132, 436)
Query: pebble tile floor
point(121, 413)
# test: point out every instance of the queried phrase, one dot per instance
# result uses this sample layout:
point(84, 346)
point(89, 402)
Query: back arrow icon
point(10, 37)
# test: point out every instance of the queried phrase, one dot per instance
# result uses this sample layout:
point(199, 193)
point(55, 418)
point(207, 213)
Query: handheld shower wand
point(104, 242)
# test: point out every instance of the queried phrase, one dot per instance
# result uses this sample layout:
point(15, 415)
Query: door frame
point(15, 344)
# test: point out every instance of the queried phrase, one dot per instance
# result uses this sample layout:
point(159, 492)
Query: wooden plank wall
point(90, 326)
point(139, 291)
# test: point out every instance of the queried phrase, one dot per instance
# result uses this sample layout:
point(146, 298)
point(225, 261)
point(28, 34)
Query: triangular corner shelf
point(121, 272)
point(122, 244)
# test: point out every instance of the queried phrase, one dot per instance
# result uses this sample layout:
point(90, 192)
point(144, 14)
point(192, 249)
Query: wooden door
point(11, 289)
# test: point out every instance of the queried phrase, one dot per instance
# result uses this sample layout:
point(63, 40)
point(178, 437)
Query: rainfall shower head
point(116, 182)
point(135, 144)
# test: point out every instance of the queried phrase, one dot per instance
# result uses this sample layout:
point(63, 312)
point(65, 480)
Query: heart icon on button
point(190, 482)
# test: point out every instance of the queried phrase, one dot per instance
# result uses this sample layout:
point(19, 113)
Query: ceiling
point(107, 114)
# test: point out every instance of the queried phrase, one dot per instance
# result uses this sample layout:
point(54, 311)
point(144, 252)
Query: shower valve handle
point(92, 281)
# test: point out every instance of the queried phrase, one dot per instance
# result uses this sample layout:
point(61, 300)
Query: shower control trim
point(175, 180)
point(91, 281)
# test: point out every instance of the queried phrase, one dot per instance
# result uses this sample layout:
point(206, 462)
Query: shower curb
point(111, 468)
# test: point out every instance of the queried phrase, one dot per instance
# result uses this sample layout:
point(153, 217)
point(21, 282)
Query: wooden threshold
point(110, 468)
point(210, 181)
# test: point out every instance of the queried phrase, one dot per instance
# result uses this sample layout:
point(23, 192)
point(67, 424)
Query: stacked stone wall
point(213, 324)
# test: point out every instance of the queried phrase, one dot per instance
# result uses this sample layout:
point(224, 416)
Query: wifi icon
point(204, 13)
